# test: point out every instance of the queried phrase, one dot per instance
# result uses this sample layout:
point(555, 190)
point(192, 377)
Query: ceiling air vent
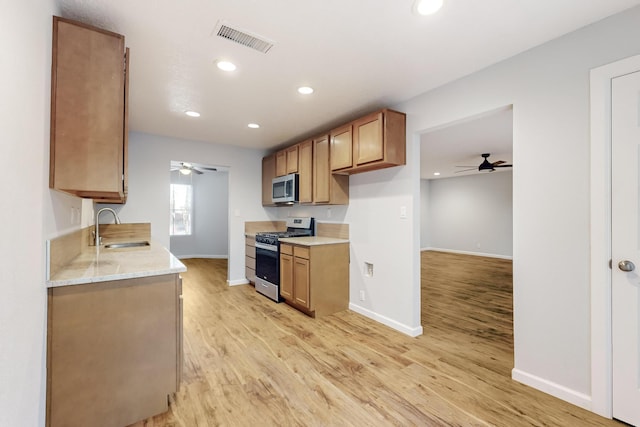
point(243, 37)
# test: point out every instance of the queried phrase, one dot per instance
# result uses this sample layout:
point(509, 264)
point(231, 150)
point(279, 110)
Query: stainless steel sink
point(125, 245)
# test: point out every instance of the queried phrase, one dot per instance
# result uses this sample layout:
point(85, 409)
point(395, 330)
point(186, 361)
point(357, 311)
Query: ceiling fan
point(486, 165)
point(187, 168)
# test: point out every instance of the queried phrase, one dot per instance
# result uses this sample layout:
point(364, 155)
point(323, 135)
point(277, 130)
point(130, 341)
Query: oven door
point(268, 263)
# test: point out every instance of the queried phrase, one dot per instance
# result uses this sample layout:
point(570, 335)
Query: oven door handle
point(272, 248)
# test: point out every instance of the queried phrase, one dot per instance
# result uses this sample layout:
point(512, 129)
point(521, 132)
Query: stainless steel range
point(268, 254)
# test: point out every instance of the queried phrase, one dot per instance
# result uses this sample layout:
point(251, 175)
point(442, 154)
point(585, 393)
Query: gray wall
point(548, 87)
point(30, 212)
point(470, 214)
point(210, 234)
point(150, 157)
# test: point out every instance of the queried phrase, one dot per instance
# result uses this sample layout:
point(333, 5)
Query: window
point(181, 207)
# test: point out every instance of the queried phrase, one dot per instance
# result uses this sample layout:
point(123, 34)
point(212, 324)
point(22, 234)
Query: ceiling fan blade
point(466, 170)
point(503, 166)
point(209, 169)
point(499, 162)
point(199, 172)
point(468, 166)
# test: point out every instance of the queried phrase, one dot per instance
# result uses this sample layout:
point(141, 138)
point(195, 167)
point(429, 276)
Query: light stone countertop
point(116, 264)
point(313, 240)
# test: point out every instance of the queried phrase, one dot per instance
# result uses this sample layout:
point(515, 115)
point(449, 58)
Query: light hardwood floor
point(251, 362)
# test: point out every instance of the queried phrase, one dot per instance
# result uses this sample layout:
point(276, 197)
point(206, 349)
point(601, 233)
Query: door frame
point(600, 210)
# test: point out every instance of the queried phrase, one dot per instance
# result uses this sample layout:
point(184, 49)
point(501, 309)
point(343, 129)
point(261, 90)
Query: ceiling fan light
point(185, 171)
point(427, 7)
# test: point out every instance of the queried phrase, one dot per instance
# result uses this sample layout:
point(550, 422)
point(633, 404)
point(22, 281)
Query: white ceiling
point(359, 55)
point(463, 143)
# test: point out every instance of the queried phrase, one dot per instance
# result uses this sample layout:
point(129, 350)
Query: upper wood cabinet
point(327, 187)
point(304, 155)
point(341, 141)
point(89, 84)
point(268, 173)
point(379, 141)
point(372, 142)
point(287, 161)
point(292, 159)
point(281, 163)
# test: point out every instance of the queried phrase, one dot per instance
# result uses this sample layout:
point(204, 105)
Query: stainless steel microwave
point(284, 189)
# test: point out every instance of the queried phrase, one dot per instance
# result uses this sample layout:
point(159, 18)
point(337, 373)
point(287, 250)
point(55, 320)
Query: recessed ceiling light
point(226, 65)
point(253, 125)
point(192, 113)
point(305, 90)
point(436, 173)
point(427, 7)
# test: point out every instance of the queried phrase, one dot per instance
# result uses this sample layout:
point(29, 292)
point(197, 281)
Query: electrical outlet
point(361, 295)
point(328, 212)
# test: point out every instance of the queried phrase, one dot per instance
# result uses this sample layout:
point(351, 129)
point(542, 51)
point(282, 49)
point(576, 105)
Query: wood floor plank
point(252, 362)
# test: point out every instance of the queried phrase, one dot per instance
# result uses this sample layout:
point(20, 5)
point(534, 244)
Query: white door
point(625, 246)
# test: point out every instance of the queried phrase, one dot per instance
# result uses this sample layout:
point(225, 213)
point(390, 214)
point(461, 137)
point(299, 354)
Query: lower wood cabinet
point(315, 279)
point(250, 258)
point(114, 350)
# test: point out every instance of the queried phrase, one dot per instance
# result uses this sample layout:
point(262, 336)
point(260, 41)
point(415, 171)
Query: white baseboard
point(201, 256)
point(412, 332)
point(561, 392)
point(453, 251)
point(237, 282)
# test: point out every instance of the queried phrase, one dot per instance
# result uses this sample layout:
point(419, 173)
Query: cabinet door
point(368, 143)
point(292, 159)
point(281, 163)
point(268, 173)
point(286, 276)
point(301, 281)
point(321, 172)
point(88, 111)
point(305, 167)
point(89, 326)
point(341, 150)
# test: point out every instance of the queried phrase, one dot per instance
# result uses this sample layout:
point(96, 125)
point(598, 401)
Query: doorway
point(199, 210)
point(467, 236)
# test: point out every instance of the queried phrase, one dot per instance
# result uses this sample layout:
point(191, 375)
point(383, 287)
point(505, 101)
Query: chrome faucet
point(98, 239)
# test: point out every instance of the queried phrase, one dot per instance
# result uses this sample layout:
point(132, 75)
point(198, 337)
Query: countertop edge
point(112, 277)
point(170, 265)
point(313, 240)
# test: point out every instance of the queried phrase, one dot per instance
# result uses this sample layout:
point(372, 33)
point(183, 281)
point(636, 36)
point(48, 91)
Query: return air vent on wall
point(243, 37)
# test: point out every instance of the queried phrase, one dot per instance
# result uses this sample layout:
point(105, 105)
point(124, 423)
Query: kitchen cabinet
point(379, 141)
point(268, 173)
point(250, 258)
point(281, 163)
point(114, 350)
point(287, 161)
point(286, 272)
point(341, 148)
point(292, 159)
point(89, 125)
point(328, 188)
point(305, 171)
point(315, 279)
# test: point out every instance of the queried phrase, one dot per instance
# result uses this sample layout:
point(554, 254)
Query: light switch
point(403, 212)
